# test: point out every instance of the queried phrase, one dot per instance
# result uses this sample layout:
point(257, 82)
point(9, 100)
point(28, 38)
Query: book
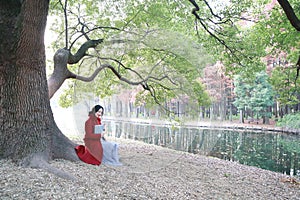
point(99, 129)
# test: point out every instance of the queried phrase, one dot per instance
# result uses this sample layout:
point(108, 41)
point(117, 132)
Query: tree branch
point(64, 7)
point(295, 22)
point(289, 11)
point(194, 12)
point(60, 72)
point(298, 69)
point(82, 51)
point(90, 78)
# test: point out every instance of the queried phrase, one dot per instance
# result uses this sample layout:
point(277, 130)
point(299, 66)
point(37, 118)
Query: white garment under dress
point(110, 153)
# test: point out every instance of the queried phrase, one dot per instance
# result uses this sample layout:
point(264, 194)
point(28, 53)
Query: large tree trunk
point(28, 130)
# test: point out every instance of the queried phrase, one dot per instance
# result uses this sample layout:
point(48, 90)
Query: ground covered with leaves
point(148, 172)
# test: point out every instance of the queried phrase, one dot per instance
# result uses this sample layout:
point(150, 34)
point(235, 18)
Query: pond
point(272, 151)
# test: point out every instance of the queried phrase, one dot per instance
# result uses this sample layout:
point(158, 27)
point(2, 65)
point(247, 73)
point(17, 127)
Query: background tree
point(219, 87)
point(262, 97)
point(287, 93)
point(242, 95)
point(255, 96)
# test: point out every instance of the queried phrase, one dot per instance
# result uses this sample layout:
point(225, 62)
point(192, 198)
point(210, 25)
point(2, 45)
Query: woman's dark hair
point(96, 108)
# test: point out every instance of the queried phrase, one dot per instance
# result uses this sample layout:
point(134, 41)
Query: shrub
point(290, 121)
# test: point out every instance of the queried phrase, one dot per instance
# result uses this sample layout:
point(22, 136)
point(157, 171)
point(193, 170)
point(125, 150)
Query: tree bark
point(241, 120)
point(28, 131)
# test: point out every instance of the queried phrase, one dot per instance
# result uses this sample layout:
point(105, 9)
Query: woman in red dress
point(97, 150)
point(92, 140)
point(92, 152)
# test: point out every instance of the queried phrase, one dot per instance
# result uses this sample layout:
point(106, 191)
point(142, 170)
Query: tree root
point(39, 161)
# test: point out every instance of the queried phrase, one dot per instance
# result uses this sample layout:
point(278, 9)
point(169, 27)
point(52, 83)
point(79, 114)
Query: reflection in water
point(272, 151)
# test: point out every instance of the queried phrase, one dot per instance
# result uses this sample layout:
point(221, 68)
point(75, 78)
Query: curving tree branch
point(60, 72)
point(290, 14)
point(72, 59)
point(62, 58)
point(206, 28)
point(295, 22)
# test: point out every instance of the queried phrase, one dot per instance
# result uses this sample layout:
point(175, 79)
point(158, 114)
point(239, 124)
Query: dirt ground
point(148, 172)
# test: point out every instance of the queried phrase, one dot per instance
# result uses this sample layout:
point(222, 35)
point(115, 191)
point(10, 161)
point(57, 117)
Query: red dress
point(92, 152)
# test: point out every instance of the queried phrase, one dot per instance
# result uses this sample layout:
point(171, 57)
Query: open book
point(99, 129)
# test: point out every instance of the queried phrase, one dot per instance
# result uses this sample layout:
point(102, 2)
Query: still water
point(272, 151)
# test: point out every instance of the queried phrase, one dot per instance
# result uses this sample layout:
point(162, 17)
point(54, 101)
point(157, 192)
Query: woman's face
point(99, 113)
